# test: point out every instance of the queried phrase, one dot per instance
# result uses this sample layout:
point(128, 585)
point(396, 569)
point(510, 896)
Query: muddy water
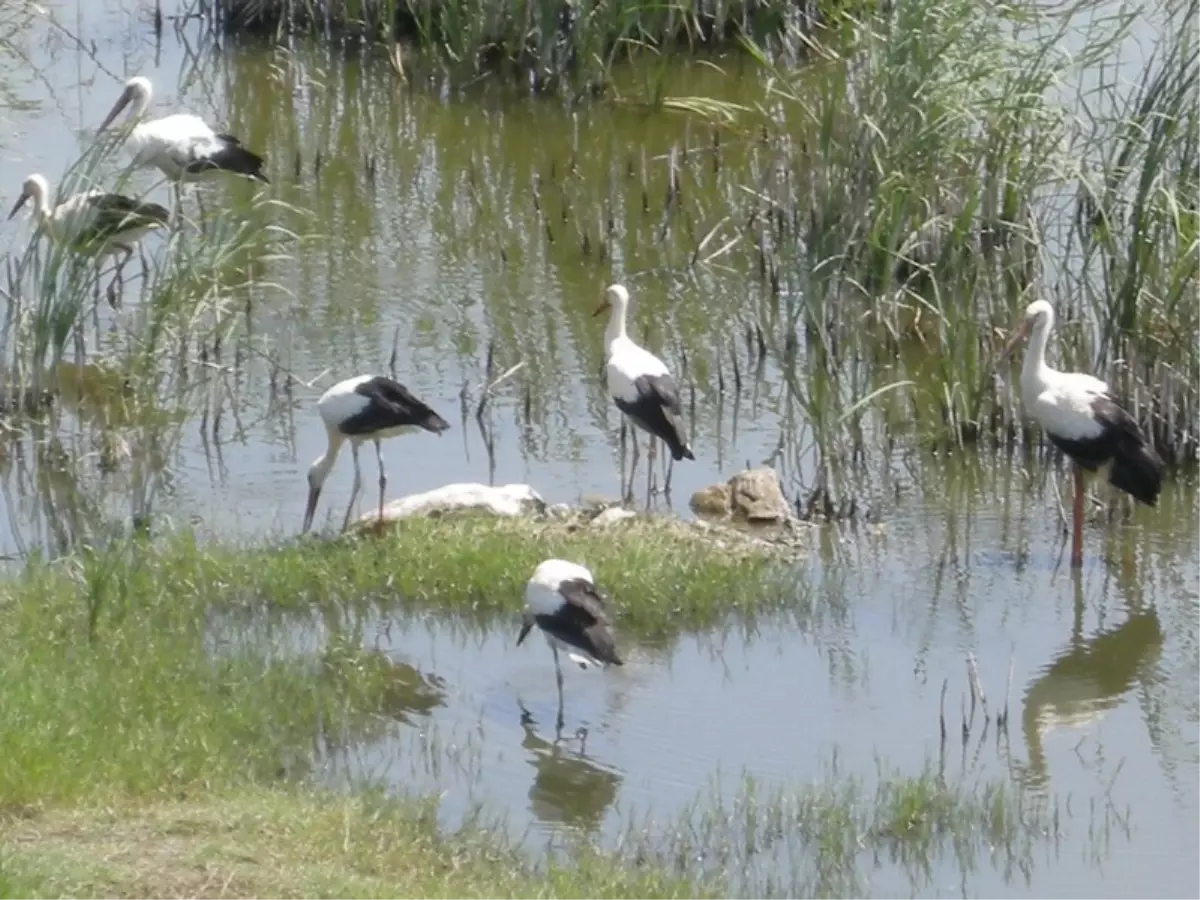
point(452, 225)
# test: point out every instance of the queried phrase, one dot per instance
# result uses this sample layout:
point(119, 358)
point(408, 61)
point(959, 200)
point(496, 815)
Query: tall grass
point(916, 187)
point(553, 47)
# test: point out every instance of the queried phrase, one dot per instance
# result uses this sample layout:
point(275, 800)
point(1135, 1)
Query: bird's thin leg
point(623, 455)
point(116, 287)
point(1077, 529)
point(357, 484)
point(558, 676)
point(382, 477)
point(669, 466)
point(649, 470)
point(633, 441)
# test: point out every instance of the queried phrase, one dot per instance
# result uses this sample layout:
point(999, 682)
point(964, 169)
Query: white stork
point(365, 407)
point(1082, 419)
point(562, 600)
point(641, 387)
point(181, 146)
point(94, 222)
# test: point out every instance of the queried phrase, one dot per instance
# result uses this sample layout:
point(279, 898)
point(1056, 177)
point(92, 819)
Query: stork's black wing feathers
point(661, 388)
point(583, 622)
point(392, 405)
point(115, 212)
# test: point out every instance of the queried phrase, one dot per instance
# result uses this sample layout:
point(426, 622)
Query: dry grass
point(282, 844)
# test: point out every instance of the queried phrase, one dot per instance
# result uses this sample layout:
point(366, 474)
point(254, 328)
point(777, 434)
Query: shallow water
point(443, 247)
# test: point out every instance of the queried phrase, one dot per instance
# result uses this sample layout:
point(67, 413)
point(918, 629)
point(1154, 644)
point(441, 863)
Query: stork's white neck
point(319, 470)
point(616, 325)
point(141, 102)
point(1035, 373)
point(41, 199)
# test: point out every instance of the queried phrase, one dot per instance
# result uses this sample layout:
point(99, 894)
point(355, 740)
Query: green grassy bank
point(144, 756)
point(124, 635)
point(139, 761)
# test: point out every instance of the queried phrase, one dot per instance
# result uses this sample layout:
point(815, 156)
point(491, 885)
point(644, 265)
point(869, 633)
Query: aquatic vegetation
point(844, 836)
point(132, 375)
point(929, 195)
point(554, 47)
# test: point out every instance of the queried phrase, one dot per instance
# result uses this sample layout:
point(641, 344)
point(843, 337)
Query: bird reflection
point(1089, 678)
point(379, 688)
point(567, 787)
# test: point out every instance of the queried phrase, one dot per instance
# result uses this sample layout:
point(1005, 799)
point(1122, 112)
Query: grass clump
point(663, 578)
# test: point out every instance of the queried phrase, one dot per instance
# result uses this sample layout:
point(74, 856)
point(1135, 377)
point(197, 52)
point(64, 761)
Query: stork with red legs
point(1082, 418)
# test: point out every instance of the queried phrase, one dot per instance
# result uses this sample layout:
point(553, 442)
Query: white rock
point(612, 516)
point(500, 500)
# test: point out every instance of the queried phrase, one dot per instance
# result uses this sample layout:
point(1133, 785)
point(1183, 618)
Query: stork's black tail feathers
point(679, 449)
point(233, 157)
point(1137, 470)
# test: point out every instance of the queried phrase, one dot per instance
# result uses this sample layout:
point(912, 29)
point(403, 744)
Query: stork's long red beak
point(314, 494)
point(602, 308)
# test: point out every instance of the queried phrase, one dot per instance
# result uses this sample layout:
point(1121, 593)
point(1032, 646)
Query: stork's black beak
point(1019, 334)
point(314, 494)
point(121, 103)
point(17, 206)
point(526, 627)
point(603, 307)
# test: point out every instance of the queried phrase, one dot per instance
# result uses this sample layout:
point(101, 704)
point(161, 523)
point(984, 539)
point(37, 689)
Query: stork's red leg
point(1077, 525)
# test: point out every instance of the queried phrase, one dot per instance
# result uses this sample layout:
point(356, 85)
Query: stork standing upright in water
point(1081, 418)
point(366, 407)
point(181, 146)
point(641, 387)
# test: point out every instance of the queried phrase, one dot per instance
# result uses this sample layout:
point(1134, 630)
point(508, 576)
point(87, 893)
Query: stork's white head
point(1038, 317)
point(34, 188)
point(137, 91)
point(1037, 313)
point(616, 298)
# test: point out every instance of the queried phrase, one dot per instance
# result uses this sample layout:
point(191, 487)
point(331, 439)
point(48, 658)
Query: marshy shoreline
point(143, 758)
point(830, 217)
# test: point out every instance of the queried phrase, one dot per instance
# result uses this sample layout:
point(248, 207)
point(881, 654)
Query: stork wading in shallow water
point(1082, 418)
point(561, 599)
point(181, 146)
point(92, 223)
point(641, 387)
point(366, 407)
